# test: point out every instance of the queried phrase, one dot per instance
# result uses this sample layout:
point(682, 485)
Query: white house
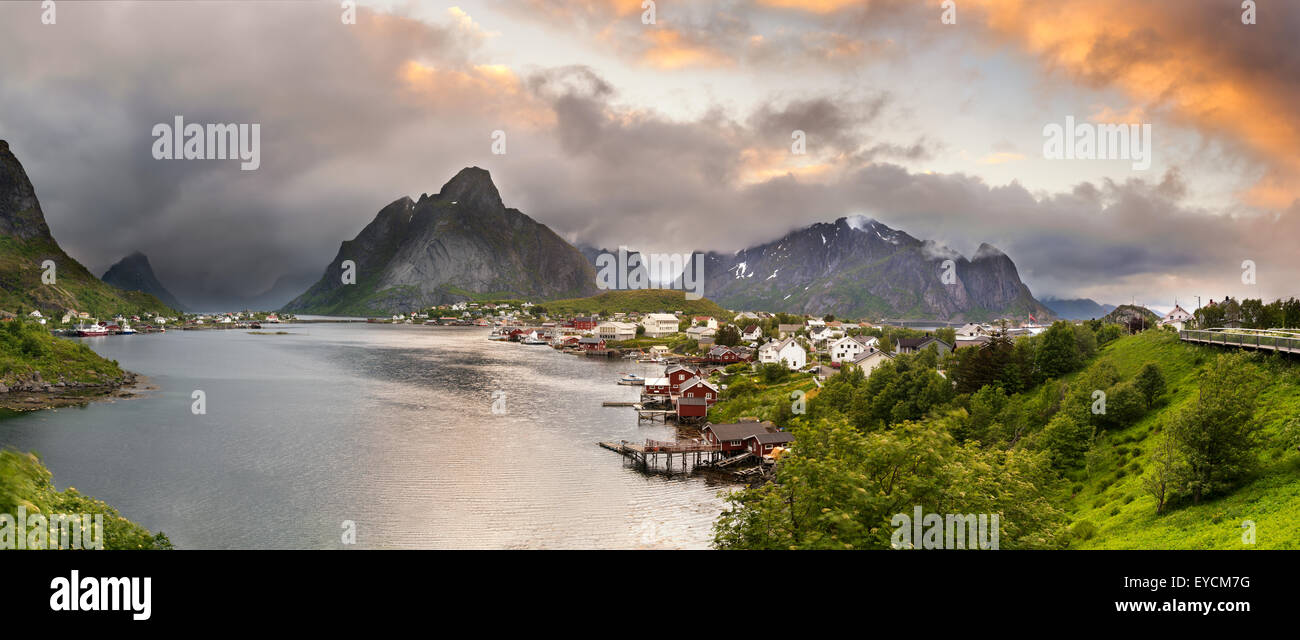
point(788, 350)
point(1178, 318)
point(846, 349)
point(616, 330)
point(868, 361)
point(659, 325)
point(752, 333)
point(708, 321)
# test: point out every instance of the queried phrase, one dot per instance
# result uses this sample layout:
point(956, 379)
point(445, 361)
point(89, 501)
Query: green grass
point(1112, 497)
point(25, 482)
point(764, 403)
point(638, 301)
point(26, 347)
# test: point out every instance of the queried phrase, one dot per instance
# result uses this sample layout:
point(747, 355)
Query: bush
point(1084, 530)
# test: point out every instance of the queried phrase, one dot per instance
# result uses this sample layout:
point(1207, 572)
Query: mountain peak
point(472, 185)
point(987, 250)
point(134, 273)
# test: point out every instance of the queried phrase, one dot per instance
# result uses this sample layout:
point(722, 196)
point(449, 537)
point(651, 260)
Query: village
point(702, 355)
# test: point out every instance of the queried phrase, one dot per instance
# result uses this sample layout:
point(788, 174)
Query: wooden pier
point(646, 456)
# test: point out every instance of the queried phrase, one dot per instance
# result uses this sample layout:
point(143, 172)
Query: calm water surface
point(389, 426)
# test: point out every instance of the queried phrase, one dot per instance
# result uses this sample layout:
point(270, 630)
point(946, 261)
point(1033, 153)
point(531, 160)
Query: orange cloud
point(483, 86)
point(1176, 58)
point(669, 49)
point(812, 6)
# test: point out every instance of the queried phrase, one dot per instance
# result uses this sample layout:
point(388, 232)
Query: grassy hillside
point(1110, 495)
point(22, 290)
point(26, 347)
point(25, 481)
point(640, 300)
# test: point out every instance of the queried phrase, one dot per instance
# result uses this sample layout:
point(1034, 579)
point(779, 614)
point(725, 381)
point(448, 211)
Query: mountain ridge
point(458, 244)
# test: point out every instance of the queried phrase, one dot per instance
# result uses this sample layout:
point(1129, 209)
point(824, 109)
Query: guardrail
point(1230, 338)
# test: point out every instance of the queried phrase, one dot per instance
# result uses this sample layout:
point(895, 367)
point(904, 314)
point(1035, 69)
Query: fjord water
point(389, 426)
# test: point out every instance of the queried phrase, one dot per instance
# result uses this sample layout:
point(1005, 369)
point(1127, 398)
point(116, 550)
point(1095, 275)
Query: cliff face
point(456, 245)
point(864, 268)
point(20, 212)
point(26, 244)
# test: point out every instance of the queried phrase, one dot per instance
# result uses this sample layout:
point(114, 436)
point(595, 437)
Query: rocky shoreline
point(34, 393)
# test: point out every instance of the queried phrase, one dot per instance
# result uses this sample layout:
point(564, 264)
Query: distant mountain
point(1077, 308)
point(25, 245)
point(459, 244)
point(133, 273)
point(862, 268)
point(1126, 314)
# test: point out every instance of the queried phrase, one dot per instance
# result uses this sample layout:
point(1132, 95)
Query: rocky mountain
point(1132, 315)
point(1077, 308)
point(862, 268)
point(459, 244)
point(134, 273)
point(26, 245)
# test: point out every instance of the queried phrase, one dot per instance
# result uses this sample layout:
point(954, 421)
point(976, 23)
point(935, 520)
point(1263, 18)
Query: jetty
point(647, 455)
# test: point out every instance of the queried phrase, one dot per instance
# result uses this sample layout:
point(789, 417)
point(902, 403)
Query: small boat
point(126, 330)
point(533, 341)
point(631, 379)
point(255, 325)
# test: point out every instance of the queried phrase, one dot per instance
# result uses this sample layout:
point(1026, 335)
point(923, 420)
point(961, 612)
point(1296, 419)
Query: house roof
point(871, 354)
point(694, 382)
point(741, 430)
point(919, 343)
point(773, 438)
point(751, 328)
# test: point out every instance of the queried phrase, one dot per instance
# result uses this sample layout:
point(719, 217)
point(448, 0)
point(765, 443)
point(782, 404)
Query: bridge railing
point(1231, 339)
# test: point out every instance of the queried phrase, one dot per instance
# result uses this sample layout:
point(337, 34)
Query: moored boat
point(91, 330)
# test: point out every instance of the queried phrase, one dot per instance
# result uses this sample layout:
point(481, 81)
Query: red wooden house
point(739, 437)
point(695, 398)
point(678, 375)
point(723, 355)
point(585, 323)
point(657, 387)
point(591, 343)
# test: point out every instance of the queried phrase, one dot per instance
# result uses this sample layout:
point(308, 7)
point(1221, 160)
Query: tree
point(1151, 383)
point(1067, 440)
point(1163, 471)
point(727, 336)
point(841, 488)
point(947, 334)
point(1217, 434)
point(1059, 352)
point(775, 372)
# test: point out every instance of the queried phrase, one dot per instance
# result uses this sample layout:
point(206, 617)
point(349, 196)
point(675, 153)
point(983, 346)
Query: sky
point(674, 134)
